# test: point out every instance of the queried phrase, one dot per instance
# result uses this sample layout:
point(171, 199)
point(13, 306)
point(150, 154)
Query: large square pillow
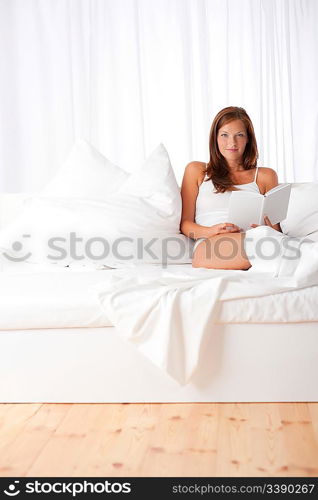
point(86, 174)
point(155, 182)
point(302, 215)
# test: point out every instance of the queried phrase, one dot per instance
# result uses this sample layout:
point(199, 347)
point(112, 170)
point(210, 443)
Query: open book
point(248, 207)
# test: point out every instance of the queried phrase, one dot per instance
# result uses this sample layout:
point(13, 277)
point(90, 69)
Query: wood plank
point(200, 454)
point(313, 412)
point(267, 452)
point(129, 441)
point(13, 420)
point(234, 440)
point(64, 450)
point(169, 439)
point(26, 430)
point(300, 445)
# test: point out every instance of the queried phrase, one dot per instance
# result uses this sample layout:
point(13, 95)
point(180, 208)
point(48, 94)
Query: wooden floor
point(184, 440)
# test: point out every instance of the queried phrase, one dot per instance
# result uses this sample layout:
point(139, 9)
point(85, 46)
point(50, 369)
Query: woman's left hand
point(267, 222)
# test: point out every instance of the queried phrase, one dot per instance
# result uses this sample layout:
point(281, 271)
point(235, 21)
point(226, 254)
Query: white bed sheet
point(55, 298)
point(34, 297)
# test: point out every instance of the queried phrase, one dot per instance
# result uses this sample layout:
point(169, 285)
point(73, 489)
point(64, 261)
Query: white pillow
point(138, 224)
point(119, 232)
point(313, 236)
point(155, 181)
point(302, 216)
point(86, 174)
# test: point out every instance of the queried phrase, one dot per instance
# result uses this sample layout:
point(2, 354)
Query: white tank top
point(211, 207)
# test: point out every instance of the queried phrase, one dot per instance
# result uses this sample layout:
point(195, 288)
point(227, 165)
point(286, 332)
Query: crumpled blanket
point(167, 313)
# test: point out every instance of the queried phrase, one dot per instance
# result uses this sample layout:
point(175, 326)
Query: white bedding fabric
point(67, 298)
point(167, 315)
point(50, 299)
point(164, 313)
point(135, 221)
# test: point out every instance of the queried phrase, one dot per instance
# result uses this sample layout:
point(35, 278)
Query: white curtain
point(129, 74)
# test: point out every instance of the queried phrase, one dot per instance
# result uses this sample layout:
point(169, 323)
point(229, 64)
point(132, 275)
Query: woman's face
point(232, 139)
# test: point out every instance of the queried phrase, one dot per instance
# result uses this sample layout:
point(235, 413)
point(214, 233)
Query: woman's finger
point(231, 225)
point(267, 221)
point(230, 229)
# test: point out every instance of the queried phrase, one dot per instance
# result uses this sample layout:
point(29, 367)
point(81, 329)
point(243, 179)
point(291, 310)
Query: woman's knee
point(222, 252)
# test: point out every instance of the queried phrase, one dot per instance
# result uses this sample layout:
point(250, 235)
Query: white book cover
point(248, 207)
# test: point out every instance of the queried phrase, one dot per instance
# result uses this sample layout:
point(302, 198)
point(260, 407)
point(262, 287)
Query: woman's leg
point(223, 251)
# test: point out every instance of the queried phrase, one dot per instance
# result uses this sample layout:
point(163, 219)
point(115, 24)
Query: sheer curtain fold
point(129, 74)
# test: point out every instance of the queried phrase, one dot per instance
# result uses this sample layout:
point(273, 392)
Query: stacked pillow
point(95, 214)
point(302, 216)
point(86, 174)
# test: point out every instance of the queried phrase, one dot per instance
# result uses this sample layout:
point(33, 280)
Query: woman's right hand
point(225, 227)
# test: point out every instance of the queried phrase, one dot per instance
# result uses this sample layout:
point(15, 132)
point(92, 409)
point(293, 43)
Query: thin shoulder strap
point(206, 166)
point(256, 174)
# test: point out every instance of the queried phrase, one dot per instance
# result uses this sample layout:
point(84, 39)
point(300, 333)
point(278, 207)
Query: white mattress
point(54, 298)
point(287, 307)
point(62, 298)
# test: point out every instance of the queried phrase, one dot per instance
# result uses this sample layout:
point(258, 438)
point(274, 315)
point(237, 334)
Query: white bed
point(57, 345)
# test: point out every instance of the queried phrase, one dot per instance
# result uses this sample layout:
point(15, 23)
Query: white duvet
point(167, 315)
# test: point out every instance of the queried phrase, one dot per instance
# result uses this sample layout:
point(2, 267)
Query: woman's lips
point(233, 150)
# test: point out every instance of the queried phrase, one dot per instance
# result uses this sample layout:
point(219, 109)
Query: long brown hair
point(217, 168)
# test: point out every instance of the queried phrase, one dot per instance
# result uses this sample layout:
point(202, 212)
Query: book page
point(245, 208)
point(276, 204)
point(276, 188)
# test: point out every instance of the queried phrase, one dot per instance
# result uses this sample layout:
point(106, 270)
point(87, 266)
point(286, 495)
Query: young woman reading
point(206, 190)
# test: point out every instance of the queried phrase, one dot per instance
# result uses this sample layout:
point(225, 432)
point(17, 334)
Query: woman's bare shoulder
point(197, 170)
point(267, 172)
point(267, 179)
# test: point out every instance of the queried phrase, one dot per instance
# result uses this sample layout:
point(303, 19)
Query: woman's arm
point(189, 192)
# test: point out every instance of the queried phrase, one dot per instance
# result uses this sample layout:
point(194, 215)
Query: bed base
point(238, 363)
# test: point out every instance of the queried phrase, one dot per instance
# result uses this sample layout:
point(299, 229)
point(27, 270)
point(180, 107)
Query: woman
point(206, 190)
